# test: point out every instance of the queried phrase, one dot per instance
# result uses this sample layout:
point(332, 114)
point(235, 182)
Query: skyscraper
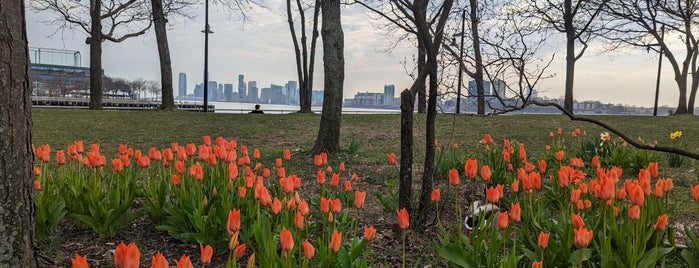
point(389, 92)
point(228, 91)
point(182, 86)
point(242, 92)
point(252, 92)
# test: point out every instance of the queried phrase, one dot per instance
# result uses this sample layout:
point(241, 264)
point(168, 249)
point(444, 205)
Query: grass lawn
point(365, 140)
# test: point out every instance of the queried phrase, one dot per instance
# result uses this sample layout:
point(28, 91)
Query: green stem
point(403, 234)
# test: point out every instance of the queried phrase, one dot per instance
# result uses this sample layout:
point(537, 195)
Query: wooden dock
point(115, 104)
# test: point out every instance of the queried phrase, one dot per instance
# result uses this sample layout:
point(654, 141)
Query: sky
point(261, 49)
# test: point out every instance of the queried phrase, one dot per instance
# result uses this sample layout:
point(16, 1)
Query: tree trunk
point(693, 93)
point(311, 66)
point(168, 99)
point(17, 246)
point(425, 206)
point(479, 59)
point(407, 105)
point(570, 56)
point(421, 90)
point(334, 69)
point(95, 42)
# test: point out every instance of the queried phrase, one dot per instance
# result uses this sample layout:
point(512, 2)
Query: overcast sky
point(262, 51)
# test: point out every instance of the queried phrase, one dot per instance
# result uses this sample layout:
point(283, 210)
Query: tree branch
point(619, 133)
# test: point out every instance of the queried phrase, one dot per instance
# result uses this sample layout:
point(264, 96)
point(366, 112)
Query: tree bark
point(480, 89)
point(334, 69)
point(422, 88)
point(570, 55)
point(168, 98)
point(17, 245)
point(95, 42)
point(407, 105)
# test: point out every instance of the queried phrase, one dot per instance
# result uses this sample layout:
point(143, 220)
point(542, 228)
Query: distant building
point(252, 92)
point(317, 97)
point(292, 92)
point(369, 98)
point(389, 93)
point(182, 85)
point(242, 92)
point(199, 90)
point(213, 92)
point(498, 87)
point(228, 91)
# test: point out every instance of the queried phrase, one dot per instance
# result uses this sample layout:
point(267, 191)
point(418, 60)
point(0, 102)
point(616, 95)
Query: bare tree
point(328, 139)
point(304, 62)
point(578, 20)
point(639, 24)
point(17, 200)
point(426, 21)
point(122, 19)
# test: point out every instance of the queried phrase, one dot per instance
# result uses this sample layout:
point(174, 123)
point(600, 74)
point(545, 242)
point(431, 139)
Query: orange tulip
point(392, 159)
point(471, 168)
point(577, 221)
point(634, 212)
point(487, 140)
point(127, 256)
point(620, 193)
point(359, 199)
point(506, 156)
point(286, 239)
point(320, 177)
point(159, 261)
point(575, 195)
point(560, 155)
point(582, 237)
point(607, 189)
point(342, 167)
point(515, 212)
point(206, 253)
point(486, 172)
point(60, 157)
point(196, 171)
point(308, 250)
point(233, 224)
point(661, 223)
point(287, 154)
point(528, 167)
point(184, 262)
point(240, 250)
point(117, 165)
point(242, 192)
point(502, 220)
point(542, 165)
point(403, 218)
point(543, 239)
point(637, 196)
point(436, 195)
point(37, 185)
point(453, 177)
point(667, 186)
point(369, 233)
point(79, 261)
point(336, 205)
point(324, 205)
point(537, 264)
point(515, 186)
point(492, 195)
point(347, 185)
point(299, 220)
point(695, 192)
point(335, 241)
point(304, 208)
point(276, 206)
point(335, 180)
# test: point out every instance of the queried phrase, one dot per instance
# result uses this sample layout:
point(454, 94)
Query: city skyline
point(262, 50)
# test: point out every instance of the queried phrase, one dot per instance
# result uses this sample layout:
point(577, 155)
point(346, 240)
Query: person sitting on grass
point(257, 110)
